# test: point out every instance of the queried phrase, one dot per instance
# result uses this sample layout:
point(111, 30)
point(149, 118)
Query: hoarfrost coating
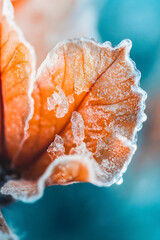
point(79, 116)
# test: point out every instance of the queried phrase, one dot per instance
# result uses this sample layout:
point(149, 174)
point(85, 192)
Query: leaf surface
point(16, 72)
point(76, 120)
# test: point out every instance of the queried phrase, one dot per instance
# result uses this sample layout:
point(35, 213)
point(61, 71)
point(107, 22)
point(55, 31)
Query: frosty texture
point(78, 117)
point(59, 103)
point(56, 148)
point(77, 128)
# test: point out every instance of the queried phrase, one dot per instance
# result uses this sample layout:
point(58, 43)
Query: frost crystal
point(70, 99)
point(59, 103)
point(56, 148)
point(77, 128)
point(106, 164)
point(106, 168)
point(101, 145)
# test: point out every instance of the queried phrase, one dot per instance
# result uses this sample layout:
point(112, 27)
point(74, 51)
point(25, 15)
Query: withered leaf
point(75, 120)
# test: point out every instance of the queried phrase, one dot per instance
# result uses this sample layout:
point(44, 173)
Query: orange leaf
point(79, 119)
point(16, 73)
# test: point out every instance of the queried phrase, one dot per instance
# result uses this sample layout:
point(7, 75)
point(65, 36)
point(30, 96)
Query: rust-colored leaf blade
point(67, 75)
point(17, 67)
point(112, 113)
point(80, 121)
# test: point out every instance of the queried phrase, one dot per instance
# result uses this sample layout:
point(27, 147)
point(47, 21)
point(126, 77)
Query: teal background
point(130, 211)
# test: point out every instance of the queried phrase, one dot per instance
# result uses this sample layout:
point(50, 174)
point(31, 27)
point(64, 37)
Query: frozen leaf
point(76, 120)
point(17, 73)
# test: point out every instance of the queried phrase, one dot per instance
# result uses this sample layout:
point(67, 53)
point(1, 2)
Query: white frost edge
point(60, 160)
point(93, 167)
point(127, 44)
point(8, 12)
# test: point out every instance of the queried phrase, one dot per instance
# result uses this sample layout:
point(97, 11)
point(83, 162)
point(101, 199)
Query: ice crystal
point(59, 103)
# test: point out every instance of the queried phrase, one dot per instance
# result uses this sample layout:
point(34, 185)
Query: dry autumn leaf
point(75, 120)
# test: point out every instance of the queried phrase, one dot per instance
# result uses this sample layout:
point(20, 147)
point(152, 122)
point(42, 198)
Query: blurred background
point(82, 211)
